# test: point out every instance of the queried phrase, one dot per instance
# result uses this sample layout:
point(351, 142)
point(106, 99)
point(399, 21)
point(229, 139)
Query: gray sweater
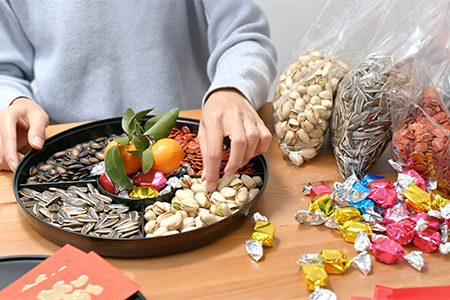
point(92, 59)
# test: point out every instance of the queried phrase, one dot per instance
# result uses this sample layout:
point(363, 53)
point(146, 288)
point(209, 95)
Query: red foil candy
point(427, 240)
point(433, 222)
point(387, 250)
point(320, 189)
point(383, 194)
point(402, 232)
point(155, 179)
point(107, 184)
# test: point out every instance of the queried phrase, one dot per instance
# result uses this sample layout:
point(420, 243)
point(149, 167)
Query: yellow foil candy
point(335, 261)
point(264, 232)
point(314, 275)
point(144, 192)
point(346, 213)
point(322, 203)
point(416, 198)
point(351, 228)
point(440, 200)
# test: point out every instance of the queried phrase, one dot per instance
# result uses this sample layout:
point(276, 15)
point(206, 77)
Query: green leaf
point(137, 153)
point(123, 140)
point(129, 113)
point(133, 123)
point(147, 160)
point(162, 124)
point(140, 142)
point(115, 168)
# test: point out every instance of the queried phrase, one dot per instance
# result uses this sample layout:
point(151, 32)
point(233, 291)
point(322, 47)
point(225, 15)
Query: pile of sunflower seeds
point(84, 210)
point(361, 123)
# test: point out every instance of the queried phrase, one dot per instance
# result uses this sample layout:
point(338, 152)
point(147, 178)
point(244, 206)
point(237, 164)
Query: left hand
point(228, 113)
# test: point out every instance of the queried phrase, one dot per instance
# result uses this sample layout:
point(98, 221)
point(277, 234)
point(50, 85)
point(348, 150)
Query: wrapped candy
point(383, 194)
point(351, 228)
point(144, 192)
point(335, 261)
point(416, 198)
point(346, 213)
point(391, 252)
point(402, 231)
point(107, 184)
point(314, 276)
point(428, 240)
point(322, 203)
point(152, 178)
point(320, 189)
point(263, 235)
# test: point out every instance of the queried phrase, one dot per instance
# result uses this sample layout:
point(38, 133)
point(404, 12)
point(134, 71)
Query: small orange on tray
point(131, 162)
point(167, 155)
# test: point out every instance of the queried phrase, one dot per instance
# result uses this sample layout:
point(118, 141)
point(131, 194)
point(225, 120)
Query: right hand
point(23, 123)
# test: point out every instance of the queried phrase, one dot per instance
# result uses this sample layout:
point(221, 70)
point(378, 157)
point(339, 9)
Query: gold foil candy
point(350, 230)
point(439, 200)
point(322, 203)
point(144, 192)
point(335, 261)
point(416, 198)
point(314, 275)
point(346, 213)
point(264, 232)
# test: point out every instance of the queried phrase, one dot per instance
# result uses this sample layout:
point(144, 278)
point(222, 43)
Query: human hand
point(23, 122)
point(228, 113)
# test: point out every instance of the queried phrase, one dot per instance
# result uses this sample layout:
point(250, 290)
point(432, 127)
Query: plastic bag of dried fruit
point(361, 125)
point(420, 111)
point(303, 100)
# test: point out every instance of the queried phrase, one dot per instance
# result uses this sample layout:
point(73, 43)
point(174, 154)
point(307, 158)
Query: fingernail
point(38, 141)
point(212, 187)
point(12, 165)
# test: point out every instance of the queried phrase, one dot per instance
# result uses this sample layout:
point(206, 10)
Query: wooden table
point(223, 269)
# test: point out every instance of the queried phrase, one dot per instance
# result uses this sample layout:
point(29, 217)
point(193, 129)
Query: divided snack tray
point(124, 247)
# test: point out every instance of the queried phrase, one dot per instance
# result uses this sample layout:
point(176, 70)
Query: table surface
point(223, 269)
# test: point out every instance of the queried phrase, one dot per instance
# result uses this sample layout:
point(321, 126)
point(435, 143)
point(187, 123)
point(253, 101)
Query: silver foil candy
point(363, 262)
point(362, 241)
point(415, 258)
point(254, 249)
point(322, 294)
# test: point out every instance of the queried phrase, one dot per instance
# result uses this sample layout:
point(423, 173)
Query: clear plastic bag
point(361, 124)
point(303, 101)
point(419, 99)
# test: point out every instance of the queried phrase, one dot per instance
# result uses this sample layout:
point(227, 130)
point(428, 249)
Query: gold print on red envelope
point(71, 274)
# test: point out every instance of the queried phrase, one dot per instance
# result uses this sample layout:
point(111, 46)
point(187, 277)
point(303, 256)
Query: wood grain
point(224, 270)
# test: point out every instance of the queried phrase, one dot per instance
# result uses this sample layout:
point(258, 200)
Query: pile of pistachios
point(193, 206)
point(303, 104)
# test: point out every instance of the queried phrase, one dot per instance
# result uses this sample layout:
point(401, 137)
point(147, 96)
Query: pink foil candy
point(433, 222)
point(107, 184)
point(387, 250)
point(320, 189)
point(427, 240)
point(402, 232)
point(420, 181)
point(383, 194)
point(155, 179)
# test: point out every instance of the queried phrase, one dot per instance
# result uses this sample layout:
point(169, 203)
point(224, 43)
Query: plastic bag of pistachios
point(303, 100)
point(361, 123)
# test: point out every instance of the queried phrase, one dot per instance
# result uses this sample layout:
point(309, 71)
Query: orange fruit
point(167, 155)
point(131, 162)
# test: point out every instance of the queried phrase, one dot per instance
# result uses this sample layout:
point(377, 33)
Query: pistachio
point(150, 226)
point(149, 215)
point(208, 219)
point(308, 153)
point(219, 197)
point(186, 181)
point(296, 158)
point(258, 181)
point(203, 199)
point(314, 90)
point(198, 187)
point(186, 223)
point(303, 136)
point(236, 183)
point(242, 197)
point(248, 181)
point(189, 204)
point(160, 231)
point(253, 193)
point(224, 181)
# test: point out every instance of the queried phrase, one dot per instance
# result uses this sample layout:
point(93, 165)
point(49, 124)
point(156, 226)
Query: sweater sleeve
point(16, 58)
point(241, 53)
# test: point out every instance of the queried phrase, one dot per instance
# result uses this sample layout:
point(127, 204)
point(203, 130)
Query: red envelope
point(71, 271)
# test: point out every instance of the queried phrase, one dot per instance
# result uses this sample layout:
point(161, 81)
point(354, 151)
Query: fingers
point(210, 139)
point(230, 114)
point(23, 122)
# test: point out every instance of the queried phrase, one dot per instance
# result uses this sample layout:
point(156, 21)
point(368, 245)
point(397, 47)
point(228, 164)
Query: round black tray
point(122, 247)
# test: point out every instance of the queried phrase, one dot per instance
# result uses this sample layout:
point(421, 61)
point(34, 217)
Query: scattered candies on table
point(263, 235)
point(376, 214)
